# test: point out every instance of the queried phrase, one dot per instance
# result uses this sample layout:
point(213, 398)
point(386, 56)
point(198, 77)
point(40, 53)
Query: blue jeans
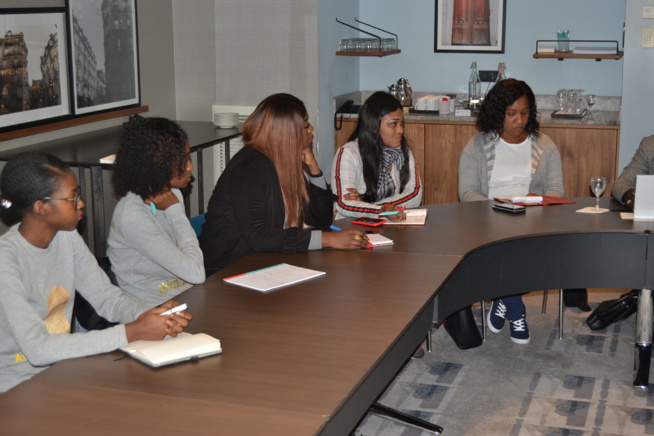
point(515, 308)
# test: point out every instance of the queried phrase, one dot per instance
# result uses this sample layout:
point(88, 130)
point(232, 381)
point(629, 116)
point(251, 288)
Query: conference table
point(311, 358)
point(85, 150)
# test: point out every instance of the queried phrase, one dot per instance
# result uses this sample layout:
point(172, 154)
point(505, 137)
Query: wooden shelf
point(616, 54)
point(78, 121)
point(561, 56)
point(368, 53)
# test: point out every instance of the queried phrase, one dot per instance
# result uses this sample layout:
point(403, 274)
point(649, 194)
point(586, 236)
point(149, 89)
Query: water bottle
point(500, 73)
point(474, 85)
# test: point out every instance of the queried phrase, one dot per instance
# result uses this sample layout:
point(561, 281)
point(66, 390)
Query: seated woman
point(43, 261)
point(509, 157)
point(153, 249)
point(375, 171)
point(263, 200)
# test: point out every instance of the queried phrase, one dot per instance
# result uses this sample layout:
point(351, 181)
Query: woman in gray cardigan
point(509, 157)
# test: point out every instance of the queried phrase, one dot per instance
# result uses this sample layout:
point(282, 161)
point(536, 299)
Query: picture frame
point(470, 26)
point(34, 80)
point(104, 55)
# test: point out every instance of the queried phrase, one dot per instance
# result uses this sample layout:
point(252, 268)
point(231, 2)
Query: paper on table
point(108, 159)
point(171, 350)
point(273, 277)
point(521, 199)
point(592, 210)
point(414, 217)
point(376, 239)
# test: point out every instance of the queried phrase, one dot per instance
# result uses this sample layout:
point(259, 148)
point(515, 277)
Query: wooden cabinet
point(586, 151)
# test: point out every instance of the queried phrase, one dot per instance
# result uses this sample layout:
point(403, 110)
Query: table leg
point(643, 351)
point(97, 206)
point(401, 417)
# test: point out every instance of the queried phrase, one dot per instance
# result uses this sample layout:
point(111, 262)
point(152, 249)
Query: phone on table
point(508, 207)
point(364, 221)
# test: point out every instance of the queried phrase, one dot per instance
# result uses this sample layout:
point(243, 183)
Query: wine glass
point(591, 99)
point(597, 185)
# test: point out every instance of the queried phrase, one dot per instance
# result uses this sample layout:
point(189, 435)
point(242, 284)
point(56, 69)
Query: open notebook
point(644, 201)
point(183, 347)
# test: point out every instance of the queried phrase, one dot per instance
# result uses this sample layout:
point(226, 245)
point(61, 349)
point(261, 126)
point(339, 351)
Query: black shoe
point(576, 298)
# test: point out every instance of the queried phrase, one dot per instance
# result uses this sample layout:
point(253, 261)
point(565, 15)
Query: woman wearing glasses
point(43, 260)
point(153, 249)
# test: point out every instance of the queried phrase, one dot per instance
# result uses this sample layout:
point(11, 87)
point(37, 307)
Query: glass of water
point(597, 185)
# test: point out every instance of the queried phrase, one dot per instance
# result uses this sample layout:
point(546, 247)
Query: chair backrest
point(196, 223)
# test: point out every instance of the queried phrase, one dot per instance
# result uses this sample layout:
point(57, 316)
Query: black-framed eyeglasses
point(75, 199)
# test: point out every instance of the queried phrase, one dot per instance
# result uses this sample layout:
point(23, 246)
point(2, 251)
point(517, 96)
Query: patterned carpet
point(581, 385)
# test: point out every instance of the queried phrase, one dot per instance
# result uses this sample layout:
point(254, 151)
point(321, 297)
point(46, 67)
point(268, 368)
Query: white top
point(512, 170)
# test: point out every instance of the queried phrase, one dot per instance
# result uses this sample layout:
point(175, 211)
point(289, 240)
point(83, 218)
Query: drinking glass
point(597, 185)
point(591, 99)
point(561, 98)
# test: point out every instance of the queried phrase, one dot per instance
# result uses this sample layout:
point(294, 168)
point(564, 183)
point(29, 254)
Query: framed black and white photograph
point(104, 53)
point(470, 26)
point(33, 67)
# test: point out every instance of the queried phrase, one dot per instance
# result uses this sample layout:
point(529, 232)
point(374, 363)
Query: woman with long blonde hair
point(272, 196)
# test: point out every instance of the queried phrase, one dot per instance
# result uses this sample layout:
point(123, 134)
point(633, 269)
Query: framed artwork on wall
point(34, 81)
point(104, 55)
point(470, 26)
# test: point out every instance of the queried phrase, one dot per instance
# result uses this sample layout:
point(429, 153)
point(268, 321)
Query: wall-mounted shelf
point(611, 52)
point(368, 53)
point(385, 47)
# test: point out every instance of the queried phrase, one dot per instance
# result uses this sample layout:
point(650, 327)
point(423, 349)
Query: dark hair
point(370, 143)
point(151, 152)
point(276, 129)
point(29, 177)
point(491, 115)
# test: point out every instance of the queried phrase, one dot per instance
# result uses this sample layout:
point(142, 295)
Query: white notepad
point(414, 217)
point(273, 277)
point(183, 347)
point(644, 201)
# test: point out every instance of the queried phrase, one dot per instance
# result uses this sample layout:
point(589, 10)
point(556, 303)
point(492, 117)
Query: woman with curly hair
point(153, 249)
point(271, 191)
point(375, 171)
point(509, 157)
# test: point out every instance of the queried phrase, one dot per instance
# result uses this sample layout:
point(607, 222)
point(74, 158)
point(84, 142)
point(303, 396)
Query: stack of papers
point(273, 277)
point(414, 217)
point(376, 240)
point(533, 200)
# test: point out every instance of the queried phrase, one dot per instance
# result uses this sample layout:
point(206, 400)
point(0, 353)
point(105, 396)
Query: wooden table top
point(292, 357)
point(306, 359)
point(460, 228)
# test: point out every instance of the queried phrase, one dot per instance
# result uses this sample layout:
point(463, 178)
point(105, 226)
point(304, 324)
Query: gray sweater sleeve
point(641, 163)
point(37, 289)
point(147, 250)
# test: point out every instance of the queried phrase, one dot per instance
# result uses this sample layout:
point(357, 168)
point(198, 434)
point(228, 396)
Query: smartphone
point(507, 207)
point(364, 221)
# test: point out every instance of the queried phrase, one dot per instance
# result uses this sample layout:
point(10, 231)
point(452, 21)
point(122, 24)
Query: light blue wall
point(638, 89)
point(526, 22)
point(337, 75)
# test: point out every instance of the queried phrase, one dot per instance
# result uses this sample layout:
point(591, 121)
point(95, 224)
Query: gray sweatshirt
point(37, 292)
point(154, 257)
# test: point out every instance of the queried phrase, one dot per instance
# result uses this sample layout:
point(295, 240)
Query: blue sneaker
point(496, 316)
point(519, 331)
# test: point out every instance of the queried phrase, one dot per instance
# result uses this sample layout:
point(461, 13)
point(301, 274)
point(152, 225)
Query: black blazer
point(246, 213)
